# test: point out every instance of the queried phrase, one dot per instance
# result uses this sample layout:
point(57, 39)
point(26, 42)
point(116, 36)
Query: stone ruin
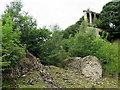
point(90, 16)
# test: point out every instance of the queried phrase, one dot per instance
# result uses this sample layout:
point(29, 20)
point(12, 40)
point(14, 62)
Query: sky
point(61, 12)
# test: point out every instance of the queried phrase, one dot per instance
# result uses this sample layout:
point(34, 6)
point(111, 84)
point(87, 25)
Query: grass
point(72, 79)
point(64, 78)
point(32, 76)
point(37, 85)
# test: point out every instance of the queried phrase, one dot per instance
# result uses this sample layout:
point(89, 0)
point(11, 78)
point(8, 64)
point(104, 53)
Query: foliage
point(109, 19)
point(73, 29)
point(52, 48)
point(12, 50)
point(24, 22)
point(108, 54)
point(27, 24)
point(81, 44)
point(53, 52)
point(30, 36)
point(86, 43)
point(36, 40)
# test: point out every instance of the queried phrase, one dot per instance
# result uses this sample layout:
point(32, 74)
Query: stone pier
point(90, 16)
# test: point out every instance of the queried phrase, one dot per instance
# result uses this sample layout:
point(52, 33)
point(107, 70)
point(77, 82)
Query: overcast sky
point(61, 12)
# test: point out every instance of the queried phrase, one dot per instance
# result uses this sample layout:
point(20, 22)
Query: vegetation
point(109, 19)
point(53, 51)
point(20, 32)
point(12, 50)
point(71, 30)
point(86, 43)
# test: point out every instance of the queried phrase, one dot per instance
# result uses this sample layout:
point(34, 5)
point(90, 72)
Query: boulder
point(88, 66)
point(73, 63)
point(91, 68)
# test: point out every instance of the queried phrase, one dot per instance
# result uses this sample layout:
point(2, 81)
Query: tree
point(12, 50)
point(30, 35)
point(55, 27)
point(14, 11)
point(53, 51)
point(36, 40)
point(73, 29)
point(110, 18)
point(86, 43)
point(24, 22)
point(27, 34)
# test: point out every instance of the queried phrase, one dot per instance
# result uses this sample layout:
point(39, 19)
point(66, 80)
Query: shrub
point(82, 42)
point(108, 54)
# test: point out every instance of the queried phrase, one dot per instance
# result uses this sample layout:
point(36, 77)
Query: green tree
point(86, 43)
point(36, 40)
point(30, 36)
point(24, 22)
point(12, 50)
point(14, 11)
point(110, 18)
point(53, 51)
point(108, 55)
point(73, 29)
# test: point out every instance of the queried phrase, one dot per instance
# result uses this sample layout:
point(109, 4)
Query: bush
point(108, 54)
point(82, 42)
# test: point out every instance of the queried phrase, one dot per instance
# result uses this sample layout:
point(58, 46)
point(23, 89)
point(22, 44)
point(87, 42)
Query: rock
point(73, 62)
point(23, 75)
point(88, 66)
point(91, 68)
point(29, 83)
point(26, 64)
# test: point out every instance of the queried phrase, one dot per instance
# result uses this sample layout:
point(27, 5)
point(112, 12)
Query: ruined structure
point(90, 16)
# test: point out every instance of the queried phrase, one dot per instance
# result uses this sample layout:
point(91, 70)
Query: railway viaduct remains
point(90, 17)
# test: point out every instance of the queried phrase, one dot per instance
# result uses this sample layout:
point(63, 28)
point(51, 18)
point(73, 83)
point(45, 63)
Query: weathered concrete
point(90, 16)
point(97, 30)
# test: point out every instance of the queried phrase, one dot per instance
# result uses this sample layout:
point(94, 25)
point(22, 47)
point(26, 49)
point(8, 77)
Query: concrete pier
point(90, 16)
